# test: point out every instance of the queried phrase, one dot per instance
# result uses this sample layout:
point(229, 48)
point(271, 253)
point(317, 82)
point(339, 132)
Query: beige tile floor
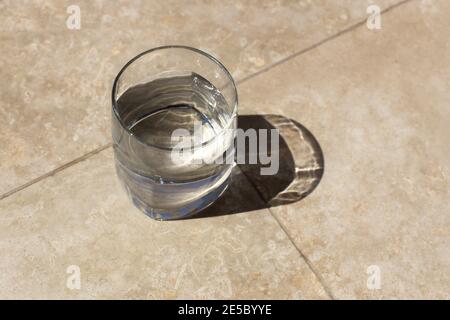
point(375, 100)
point(82, 217)
point(378, 104)
point(56, 106)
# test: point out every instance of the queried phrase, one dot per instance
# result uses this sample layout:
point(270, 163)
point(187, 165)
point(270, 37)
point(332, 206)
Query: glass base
point(168, 200)
point(182, 212)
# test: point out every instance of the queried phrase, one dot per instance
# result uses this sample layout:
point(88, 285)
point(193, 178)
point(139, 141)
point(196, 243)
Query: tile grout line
point(299, 251)
point(238, 82)
point(316, 45)
point(298, 53)
point(305, 258)
point(264, 70)
point(56, 170)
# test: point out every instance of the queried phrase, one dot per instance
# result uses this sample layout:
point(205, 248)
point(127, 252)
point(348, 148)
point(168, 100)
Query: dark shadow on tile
point(240, 196)
point(301, 166)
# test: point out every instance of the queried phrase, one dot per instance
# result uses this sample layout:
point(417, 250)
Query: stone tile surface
point(378, 104)
point(56, 82)
point(81, 217)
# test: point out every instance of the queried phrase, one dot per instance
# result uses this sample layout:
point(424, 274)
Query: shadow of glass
point(301, 166)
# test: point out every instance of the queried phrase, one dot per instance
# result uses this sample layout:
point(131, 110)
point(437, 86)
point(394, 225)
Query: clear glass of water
point(160, 92)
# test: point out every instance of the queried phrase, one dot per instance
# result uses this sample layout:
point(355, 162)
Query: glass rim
point(195, 50)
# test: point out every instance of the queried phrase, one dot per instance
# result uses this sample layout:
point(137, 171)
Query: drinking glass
point(173, 125)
